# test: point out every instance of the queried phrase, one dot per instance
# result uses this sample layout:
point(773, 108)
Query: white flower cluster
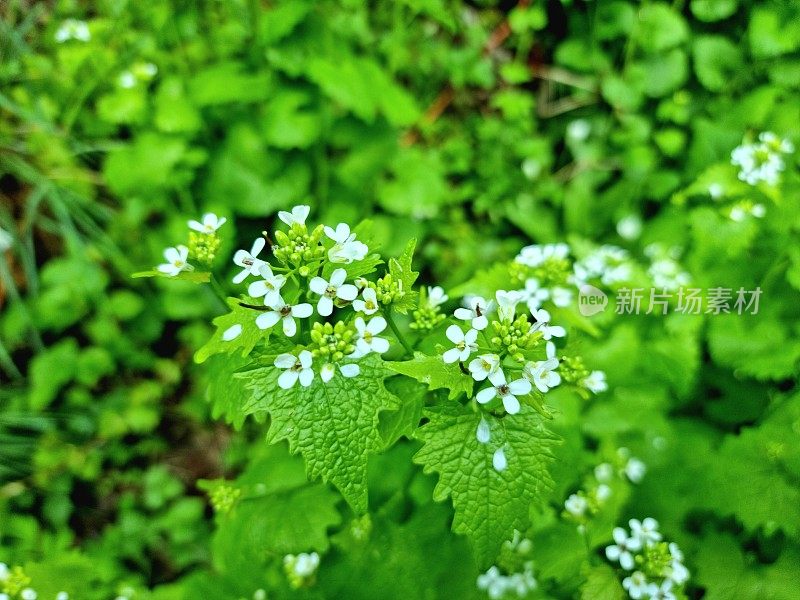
point(300, 569)
point(583, 503)
point(665, 271)
point(761, 160)
point(534, 294)
point(497, 586)
point(177, 257)
point(630, 551)
point(608, 264)
point(72, 29)
point(27, 593)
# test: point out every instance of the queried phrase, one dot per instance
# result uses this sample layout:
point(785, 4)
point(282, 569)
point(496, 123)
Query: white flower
point(464, 344)
point(436, 296)
point(534, 294)
point(775, 143)
point(232, 332)
point(507, 304)
point(576, 505)
point(303, 565)
point(332, 289)
point(493, 583)
point(761, 161)
point(475, 312)
point(248, 261)
point(483, 366)
point(542, 373)
point(483, 433)
point(269, 287)
point(579, 129)
point(661, 592)
point(622, 549)
point(72, 29)
point(602, 493)
point(561, 296)
point(346, 249)
point(604, 472)
point(328, 370)
point(543, 324)
point(635, 470)
point(535, 255)
point(499, 461)
point(298, 368)
point(595, 382)
point(28, 594)
point(645, 531)
point(367, 342)
point(637, 585)
point(5, 240)
point(507, 392)
point(281, 311)
point(210, 224)
point(176, 261)
point(369, 304)
point(298, 215)
point(608, 263)
point(629, 227)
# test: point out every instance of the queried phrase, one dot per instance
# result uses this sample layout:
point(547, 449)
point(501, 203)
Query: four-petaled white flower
point(623, 548)
point(483, 366)
point(176, 261)
point(72, 29)
point(595, 382)
point(249, 262)
point(436, 296)
point(269, 287)
point(281, 311)
point(328, 370)
point(542, 373)
point(543, 324)
point(507, 392)
point(464, 344)
point(475, 312)
point(298, 368)
point(347, 248)
point(661, 592)
point(507, 304)
point(534, 294)
point(637, 585)
point(369, 304)
point(367, 341)
point(576, 505)
point(332, 289)
point(298, 215)
point(499, 461)
point(210, 224)
point(645, 531)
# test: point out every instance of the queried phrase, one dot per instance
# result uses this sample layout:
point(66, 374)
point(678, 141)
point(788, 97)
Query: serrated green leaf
point(245, 341)
point(602, 583)
point(489, 504)
point(400, 269)
point(435, 373)
point(191, 276)
point(333, 425)
point(402, 422)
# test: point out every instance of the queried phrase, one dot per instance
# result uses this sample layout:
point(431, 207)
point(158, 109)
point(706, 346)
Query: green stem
point(220, 293)
point(393, 326)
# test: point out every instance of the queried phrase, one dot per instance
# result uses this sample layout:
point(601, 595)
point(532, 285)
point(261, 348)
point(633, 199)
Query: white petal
point(306, 377)
point(197, 226)
point(464, 314)
point(325, 306)
point(306, 358)
point(520, 387)
point(318, 285)
point(485, 395)
point(289, 326)
point(380, 345)
point(232, 332)
point(451, 355)
point(169, 269)
point(511, 404)
point(338, 277)
point(361, 326)
point(350, 370)
point(483, 433)
point(626, 561)
point(285, 360)
point(172, 255)
point(376, 325)
point(347, 292)
point(257, 289)
point(498, 377)
point(241, 276)
point(499, 461)
point(302, 311)
point(258, 246)
point(480, 323)
point(612, 552)
point(267, 319)
point(454, 334)
point(287, 379)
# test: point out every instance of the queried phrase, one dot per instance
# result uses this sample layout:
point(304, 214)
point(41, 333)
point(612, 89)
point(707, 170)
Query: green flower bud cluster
point(514, 337)
point(224, 497)
point(514, 553)
point(15, 582)
point(203, 247)
point(552, 272)
point(426, 318)
point(654, 560)
point(387, 290)
point(361, 528)
point(297, 246)
point(572, 369)
point(332, 342)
